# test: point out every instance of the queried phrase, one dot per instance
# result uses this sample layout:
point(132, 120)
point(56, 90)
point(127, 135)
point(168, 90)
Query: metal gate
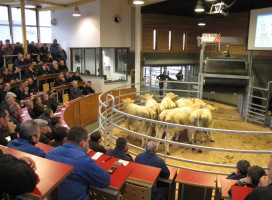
point(258, 103)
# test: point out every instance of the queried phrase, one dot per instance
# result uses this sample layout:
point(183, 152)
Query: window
point(4, 24)
point(110, 63)
point(31, 25)
point(45, 26)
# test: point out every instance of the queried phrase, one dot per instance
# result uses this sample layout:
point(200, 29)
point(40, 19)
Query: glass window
point(122, 60)
point(4, 15)
point(17, 34)
point(5, 34)
point(45, 35)
point(30, 17)
point(16, 16)
point(31, 34)
point(45, 18)
point(90, 61)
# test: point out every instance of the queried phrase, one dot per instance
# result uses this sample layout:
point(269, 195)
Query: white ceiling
point(64, 3)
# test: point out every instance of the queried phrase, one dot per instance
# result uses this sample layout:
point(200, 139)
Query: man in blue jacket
point(86, 171)
point(149, 158)
point(29, 136)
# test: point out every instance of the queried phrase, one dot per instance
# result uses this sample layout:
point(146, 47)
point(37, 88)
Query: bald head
point(151, 147)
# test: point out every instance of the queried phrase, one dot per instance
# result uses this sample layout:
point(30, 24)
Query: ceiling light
point(138, 2)
point(199, 6)
point(201, 23)
point(30, 4)
point(76, 11)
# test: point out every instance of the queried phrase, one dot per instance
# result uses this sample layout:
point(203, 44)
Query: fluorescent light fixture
point(30, 4)
point(184, 41)
point(201, 23)
point(170, 41)
point(154, 40)
point(199, 7)
point(138, 2)
point(76, 11)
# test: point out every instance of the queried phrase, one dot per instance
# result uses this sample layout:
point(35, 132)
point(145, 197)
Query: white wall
point(113, 34)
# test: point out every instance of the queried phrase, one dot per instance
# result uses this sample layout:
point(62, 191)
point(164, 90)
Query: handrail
point(114, 115)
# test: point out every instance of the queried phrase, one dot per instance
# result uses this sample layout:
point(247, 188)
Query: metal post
point(165, 144)
point(112, 109)
point(163, 89)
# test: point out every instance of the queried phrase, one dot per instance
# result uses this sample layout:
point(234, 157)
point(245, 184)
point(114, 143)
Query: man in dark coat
point(121, 150)
point(75, 91)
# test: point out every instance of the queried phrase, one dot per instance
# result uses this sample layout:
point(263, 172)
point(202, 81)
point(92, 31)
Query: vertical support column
point(138, 46)
point(23, 26)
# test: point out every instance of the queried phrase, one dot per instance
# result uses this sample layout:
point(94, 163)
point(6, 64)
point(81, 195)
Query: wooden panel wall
point(235, 25)
point(84, 111)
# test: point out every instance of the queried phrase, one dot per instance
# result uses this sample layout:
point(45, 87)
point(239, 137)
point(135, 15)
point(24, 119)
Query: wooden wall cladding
point(235, 25)
point(84, 111)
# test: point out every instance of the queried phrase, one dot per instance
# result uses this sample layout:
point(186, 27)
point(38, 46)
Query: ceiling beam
point(66, 5)
point(7, 1)
point(50, 3)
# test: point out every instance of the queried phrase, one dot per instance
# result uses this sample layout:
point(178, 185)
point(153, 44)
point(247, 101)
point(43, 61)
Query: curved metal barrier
point(111, 115)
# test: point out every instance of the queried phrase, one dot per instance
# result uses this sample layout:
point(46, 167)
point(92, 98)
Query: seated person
point(87, 89)
point(17, 175)
point(62, 66)
point(6, 76)
point(43, 52)
point(28, 137)
point(14, 74)
point(60, 80)
point(9, 100)
point(54, 67)
point(68, 78)
point(1, 80)
point(75, 91)
point(43, 70)
point(4, 91)
point(253, 177)
point(86, 172)
point(76, 77)
point(53, 103)
point(241, 170)
point(121, 150)
point(149, 158)
point(45, 101)
point(47, 116)
point(15, 113)
point(7, 128)
point(264, 191)
point(48, 58)
point(19, 61)
point(22, 92)
point(28, 60)
point(95, 143)
point(38, 106)
point(46, 133)
point(33, 88)
point(31, 72)
point(59, 136)
point(30, 106)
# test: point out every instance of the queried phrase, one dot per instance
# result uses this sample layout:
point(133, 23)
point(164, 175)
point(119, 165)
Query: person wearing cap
point(46, 132)
point(28, 137)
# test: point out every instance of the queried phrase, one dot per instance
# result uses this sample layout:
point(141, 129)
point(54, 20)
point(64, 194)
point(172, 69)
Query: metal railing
point(112, 115)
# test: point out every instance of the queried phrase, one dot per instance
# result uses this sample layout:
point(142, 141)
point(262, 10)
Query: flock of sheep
point(183, 111)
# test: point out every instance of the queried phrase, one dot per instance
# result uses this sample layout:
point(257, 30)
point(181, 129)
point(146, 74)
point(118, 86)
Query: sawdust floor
point(225, 117)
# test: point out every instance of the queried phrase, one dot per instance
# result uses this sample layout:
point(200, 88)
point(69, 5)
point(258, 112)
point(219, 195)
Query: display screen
point(260, 29)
